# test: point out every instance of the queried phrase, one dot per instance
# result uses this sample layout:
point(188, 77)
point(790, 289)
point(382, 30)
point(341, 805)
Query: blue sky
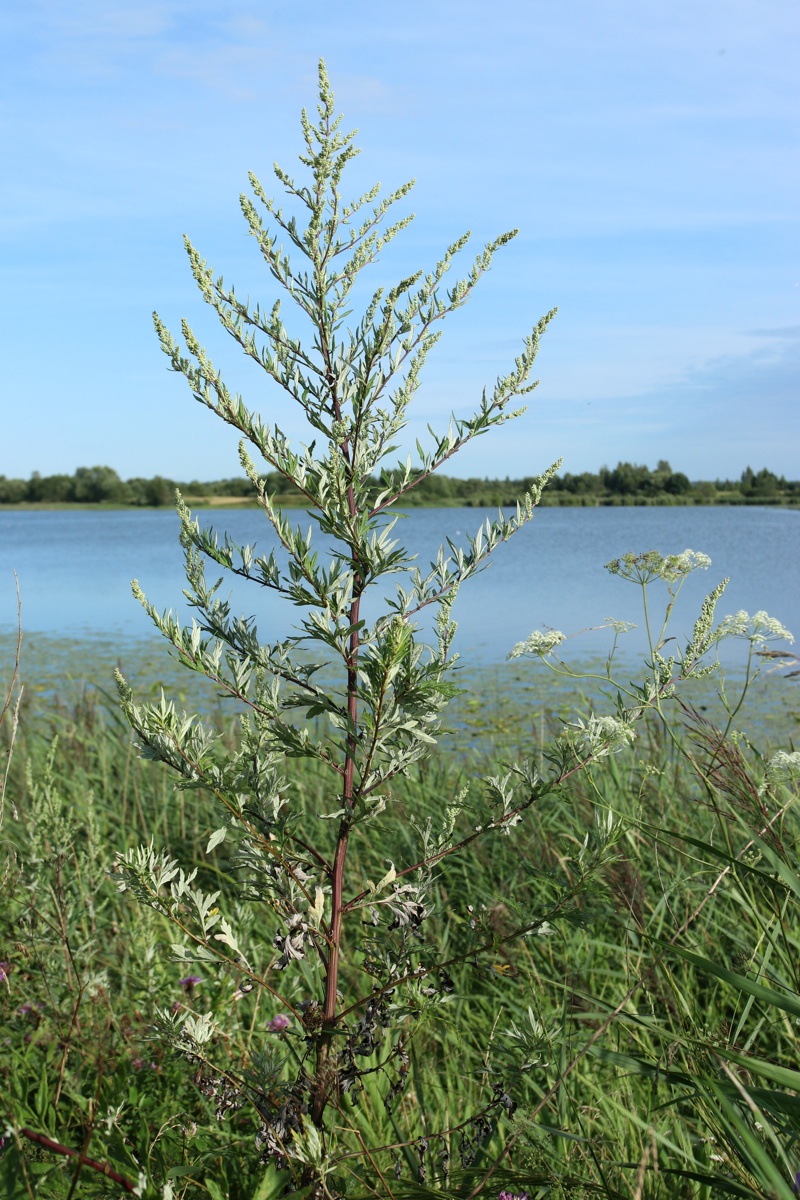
point(647, 153)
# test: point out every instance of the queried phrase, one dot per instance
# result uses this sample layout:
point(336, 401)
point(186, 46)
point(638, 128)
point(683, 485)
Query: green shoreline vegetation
point(654, 1075)
point(626, 484)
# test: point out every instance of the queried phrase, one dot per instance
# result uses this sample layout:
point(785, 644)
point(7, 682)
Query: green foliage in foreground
point(659, 1063)
point(624, 484)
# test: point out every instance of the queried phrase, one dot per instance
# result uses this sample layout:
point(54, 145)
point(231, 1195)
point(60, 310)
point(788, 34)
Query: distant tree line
point(89, 485)
point(627, 483)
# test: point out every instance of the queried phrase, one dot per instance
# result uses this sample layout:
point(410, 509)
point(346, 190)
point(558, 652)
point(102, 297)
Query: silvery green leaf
point(218, 836)
point(227, 936)
point(200, 1029)
point(388, 878)
point(307, 1145)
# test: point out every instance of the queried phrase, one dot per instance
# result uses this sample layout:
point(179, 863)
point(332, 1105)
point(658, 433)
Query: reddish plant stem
point(322, 1081)
point(57, 1148)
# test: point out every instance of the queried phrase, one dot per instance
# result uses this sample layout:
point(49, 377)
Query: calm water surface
point(75, 569)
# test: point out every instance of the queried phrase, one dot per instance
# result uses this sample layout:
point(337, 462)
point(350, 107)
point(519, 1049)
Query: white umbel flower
point(783, 767)
point(758, 628)
point(538, 643)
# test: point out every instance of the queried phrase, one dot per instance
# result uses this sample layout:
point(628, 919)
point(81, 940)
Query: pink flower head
point(279, 1023)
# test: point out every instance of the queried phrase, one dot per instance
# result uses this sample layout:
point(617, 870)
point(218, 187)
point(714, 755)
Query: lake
point(75, 567)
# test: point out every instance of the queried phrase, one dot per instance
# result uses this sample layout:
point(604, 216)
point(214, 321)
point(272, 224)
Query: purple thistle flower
point(796, 1184)
point(513, 1196)
point(279, 1023)
point(189, 982)
point(5, 971)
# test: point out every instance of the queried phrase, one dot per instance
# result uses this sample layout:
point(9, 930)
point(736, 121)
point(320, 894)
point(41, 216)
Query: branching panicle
point(364, 699)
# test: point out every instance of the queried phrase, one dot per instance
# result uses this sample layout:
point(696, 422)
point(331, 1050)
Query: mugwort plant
point(356, 961)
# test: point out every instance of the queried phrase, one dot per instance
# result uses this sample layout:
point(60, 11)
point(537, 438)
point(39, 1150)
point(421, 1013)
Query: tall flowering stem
point(384, 713)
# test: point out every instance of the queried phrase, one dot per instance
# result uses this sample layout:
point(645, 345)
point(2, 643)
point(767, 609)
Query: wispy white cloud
point(789, 332)
point(713, 419)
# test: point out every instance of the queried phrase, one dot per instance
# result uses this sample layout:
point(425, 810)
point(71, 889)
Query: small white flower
point(758, 628)
point(538, 643)
point(682, 564)
point(783, 767)
point(619, 626)
point(643, 568)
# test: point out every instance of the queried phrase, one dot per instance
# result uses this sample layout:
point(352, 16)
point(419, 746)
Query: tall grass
point(660, 1015)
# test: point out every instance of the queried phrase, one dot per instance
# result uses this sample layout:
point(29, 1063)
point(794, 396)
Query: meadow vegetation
point(311, 951)
point(665, 1066)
